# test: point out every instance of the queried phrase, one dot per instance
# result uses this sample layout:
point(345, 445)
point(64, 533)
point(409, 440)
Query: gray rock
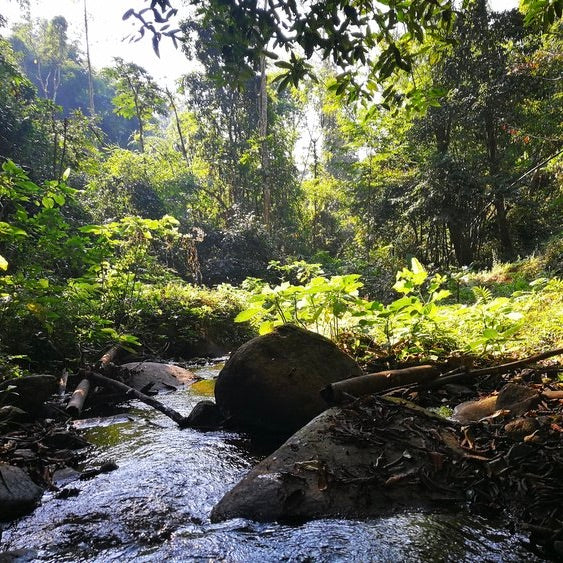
point(273, 381)
point(9, 413)
point(351, 462)
point(28, 393)
point(160, 377)
point(18, 493)
point(18, 556)
point(205, 416)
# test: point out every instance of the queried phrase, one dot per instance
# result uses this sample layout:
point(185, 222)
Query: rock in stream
point(273, 381)
point(372, 459)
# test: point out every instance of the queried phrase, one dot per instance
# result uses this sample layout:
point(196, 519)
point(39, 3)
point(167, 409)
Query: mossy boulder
point(273, 381)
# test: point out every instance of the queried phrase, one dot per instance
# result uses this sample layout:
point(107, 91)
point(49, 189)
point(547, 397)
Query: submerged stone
point(205, 416)
point(18, 493)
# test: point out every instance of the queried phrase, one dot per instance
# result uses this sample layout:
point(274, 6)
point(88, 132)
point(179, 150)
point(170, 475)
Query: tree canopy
point(367, 41)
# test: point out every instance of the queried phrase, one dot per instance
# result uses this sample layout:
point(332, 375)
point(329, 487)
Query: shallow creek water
point(156, 507)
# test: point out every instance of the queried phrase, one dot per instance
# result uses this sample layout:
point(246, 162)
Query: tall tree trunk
point(461, 241)
point(178, 126)
point(139, 116)
point(88, 62)
point(503, 233)
point(264, 156)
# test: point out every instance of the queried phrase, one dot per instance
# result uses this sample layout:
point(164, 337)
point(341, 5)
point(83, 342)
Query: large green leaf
point(247, 314)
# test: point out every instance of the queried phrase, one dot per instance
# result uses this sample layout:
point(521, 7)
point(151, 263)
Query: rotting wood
point(76, 403)
point(337, 393)
point(110, 356)
point(63, 382)
point(493, 370)
point(180, 420)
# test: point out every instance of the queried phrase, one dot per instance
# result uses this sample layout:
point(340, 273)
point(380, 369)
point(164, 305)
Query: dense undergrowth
point(70, 290)
point(432, 316)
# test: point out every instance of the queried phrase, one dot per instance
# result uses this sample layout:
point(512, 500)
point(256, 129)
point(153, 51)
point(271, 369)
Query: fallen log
point(180, 420)
point(418, 378)
point(76, 403)
point(493, 370)
point(339, 392)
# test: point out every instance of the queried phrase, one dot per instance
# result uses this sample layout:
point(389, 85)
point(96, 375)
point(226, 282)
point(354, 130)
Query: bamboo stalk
point(337, 393)
point(76, 403)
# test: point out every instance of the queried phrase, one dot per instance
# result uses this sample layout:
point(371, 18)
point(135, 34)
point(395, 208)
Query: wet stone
point(205, 415)
point(155, 376)
point(18, 493)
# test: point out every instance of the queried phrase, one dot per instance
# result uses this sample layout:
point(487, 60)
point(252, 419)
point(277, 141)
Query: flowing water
point(156, 505)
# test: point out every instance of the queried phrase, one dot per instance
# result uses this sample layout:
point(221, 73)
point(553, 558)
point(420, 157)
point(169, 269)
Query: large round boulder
point(273, 381)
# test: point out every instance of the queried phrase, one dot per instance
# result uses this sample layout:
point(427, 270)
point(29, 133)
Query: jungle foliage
point(117, 217)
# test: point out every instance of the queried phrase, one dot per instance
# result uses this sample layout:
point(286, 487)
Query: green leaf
point(94, 229)
point(490, 333)
point(48, 202)
point(442, 294)
point(266, 327)
point(59, 198)
point(419, 272)
point(403, 286)
point(401, 303)
point(10, 230)
point(3, 263)
point(247, 314)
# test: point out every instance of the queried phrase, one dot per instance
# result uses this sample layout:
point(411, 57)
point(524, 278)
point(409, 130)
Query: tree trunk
point(503, 233)
point(138, 113)
point(178, 126)
point(263, 132)
point(89, 64)
point(461, 241)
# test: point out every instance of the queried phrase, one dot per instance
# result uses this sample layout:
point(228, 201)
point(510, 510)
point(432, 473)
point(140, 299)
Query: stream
point(156, 505)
